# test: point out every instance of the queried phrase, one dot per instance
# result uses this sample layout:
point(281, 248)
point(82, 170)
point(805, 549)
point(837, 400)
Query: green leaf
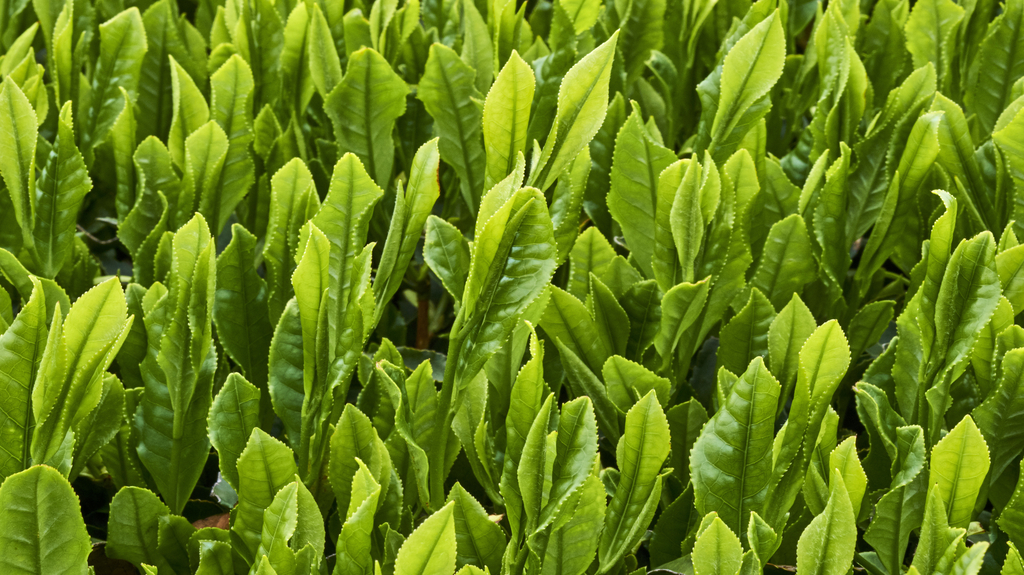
point(582, 104)
point(44, 531)
point(567, 320)
point(190, 111)
point(324, 63)
point(234, 414)
point(628, 382)
point(901, 509)
point(286, 372)
point(642, 303)
point(1013, 565)
point(717, 549)
point(293, 201)
point(179, 367)
point(735, 94)
point(786, 336)
point(731, 464)
point(446, 251)
point(513, 258)
point(430, 549)
point(69, 384)
point(571, 547)
point(1000, 416)
point(264, 467)
point(567, 202)
point(642, 23)
point(505, 118)
point(680, 308)
point(937, 536)
point(166, 37)
point(411, 211)
point(601, 155)
point(479, 541)
point(344, 219)
point(240, 312)
point(355, 441)
point(215, 558)
point(133, 528)
point(232, 88)
point(632, 201)
point(205, 152)
point(828, 543)
point(100, 426)
point(62, 185)
point(279, 522)
point(959, 463)
point(363, 108)
point(640, 453)
point(449, 94)
point(122, 51)
point(18, 133)
point(930, 31)
point(354, 541)
point(897, 229)
point(21, 349)
point(746, 335)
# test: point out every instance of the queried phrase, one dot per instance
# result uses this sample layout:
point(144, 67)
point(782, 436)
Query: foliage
point(567, 287)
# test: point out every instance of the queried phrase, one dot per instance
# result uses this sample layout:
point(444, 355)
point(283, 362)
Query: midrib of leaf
point(368, 121)
point(19, 153)
point(53, 194)
point(575, 429)
point(103, 82)
point(243, 291)
point(556, 147)
point(746, 450)
point(146, 550)
point(774, 267)
point(434, 544)
point(463, 148)
point(974, 199)
point(642, 325)
point(494, 278)
point(959, 309)
point(572, 334)
point(159, 92)
point(630, 479)
point(956, 475)
point(1007, 83)
point(743, 86)
point(510, 158)
point(652, 178)
point(939, 39)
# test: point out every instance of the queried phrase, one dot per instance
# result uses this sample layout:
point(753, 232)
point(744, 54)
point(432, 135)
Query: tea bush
point(551, 287)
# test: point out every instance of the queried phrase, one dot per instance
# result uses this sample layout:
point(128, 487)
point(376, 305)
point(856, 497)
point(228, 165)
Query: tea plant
point(553, 287)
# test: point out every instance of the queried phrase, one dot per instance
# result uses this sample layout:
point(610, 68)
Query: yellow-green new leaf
point(18, 133)
point(582, 105)
point(959, 464)
point(717, 550)
point(827, 544)
point(641, 451)
point(506, 117)
point(731, 462)
point(449, 94)
point(43, 527)
point(430, 549)
point(364, 107)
